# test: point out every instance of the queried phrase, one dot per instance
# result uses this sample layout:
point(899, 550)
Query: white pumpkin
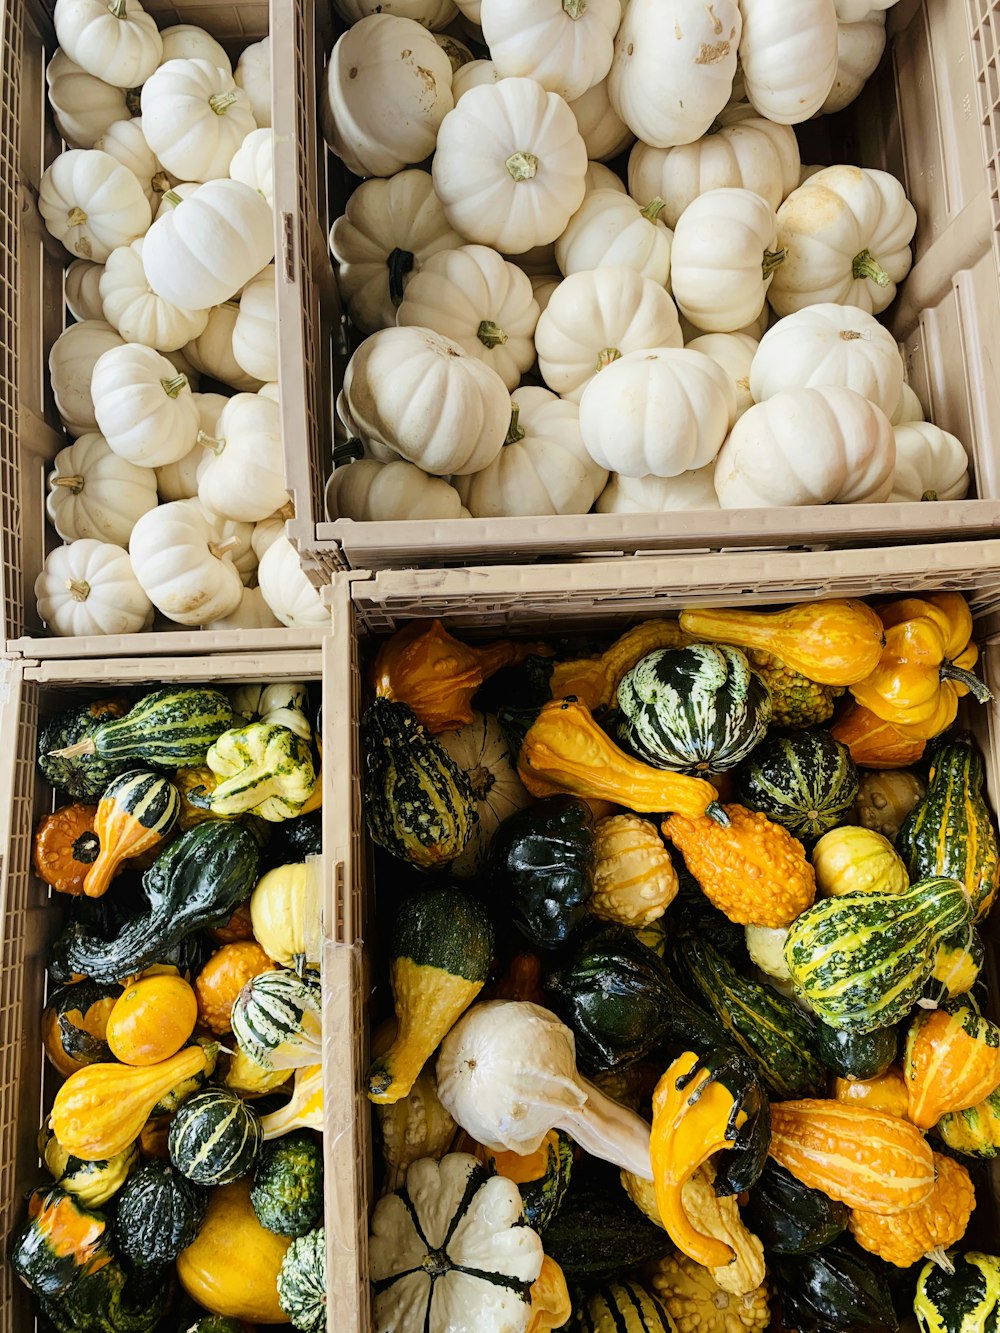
point(184, 564)
point(909, 408)
point(72, 359)
point(144, 409)
point(253, 163)
point(742, 154)
point(480, 301)
point(265, 534)
point(372, 492)
point(194, 118)
point(287, 590)
point(239, 539)
point(755, 329)
point(245, 480)
point(543, 467)
point(169, 200)
point(126, 143)
point(566, 45)
point(92, 203)
point(658, 412)
point(480, 750)
point(457, 52)
point(829, 345)
point(470, 11)
point(930, 464)
point(94, 493)
point(853, 11)
point(82, 290)
point(473, 75)
point(255, 332)
point(139, 315)
point(735, 353)
point(724, 256)
point(604, 133)
point(593, 319)
point(859, 49)
point(115, 40)
point(432, 14)
point(610, 230)
point(600, 177)
point(83, 106)
point(253, 612)
point(421, 395)
point(544, 286)
point(202, 252)
point(807, 447)
point(659, 495)
point(847, 234)
point(673, 68)
point(388, 88)
point(212, 351)
point(186, 41)
point(253, 75)
point(788, 55)
point(179, 481)
point(89, 587)
point(271, 390)
point(510, 165)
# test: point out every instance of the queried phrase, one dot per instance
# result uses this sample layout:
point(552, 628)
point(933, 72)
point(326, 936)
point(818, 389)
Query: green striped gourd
point(623, 1307)
point(862, 960)
point(168, 729)
point(693, 710)
point(950, 832)
point(302, 1282)
point(974, 1132)
point(808, 783)
point(957, 963)
point(277, 1020)
point(215, 1137)
point(135, 814)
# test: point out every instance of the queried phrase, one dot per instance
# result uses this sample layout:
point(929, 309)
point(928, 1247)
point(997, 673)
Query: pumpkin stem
point(349, 451)
point(74, 484)
point(979, 692)
point(773, 259)
point(118, 8)
point(133, 100)
point(929, 495)
point(654, 208)
point(515, 431)
point(220, 102)
point(173, 387)
point(160, 182)
point(939, 1257)
point(491, 335)
point(575, 8)
point(79, 588)
point(286, 511)
point(76, 217)
point(522, 166)
point(210, 442)
point(867, 266)
point(607, 356)
point(172, 197)
point(400, 263)
point(718, 814)
point(219, 549)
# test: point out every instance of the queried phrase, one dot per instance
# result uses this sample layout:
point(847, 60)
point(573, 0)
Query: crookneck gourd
point(135, 814)
point(951, 1061)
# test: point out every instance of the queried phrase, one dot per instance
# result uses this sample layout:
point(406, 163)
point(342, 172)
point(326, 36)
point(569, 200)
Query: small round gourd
point(179, 481)
point(285, 912)
point(93, 1183)
point(788, 55)
point(212, 351)
point(194, 118)
point(186, 41)
point(253, 163)
point(117, 42)
point(83, 106)
point(735, 353)
point(566, 47)
point(634, 877)
point(255, 333)
point(92, 204)
point(886, 797)
point(253, 612)
point(215, 1137)
point(604, 133)
point(852, 859)
point(860, 46)
point(185, 563)
point(94, 493)
point(152, 1019)
point(126, 143)
point(807, 782)
point(139, 315)
point(931, 464)
point(144, 408)
point(72, 359)
point(659, 495)
point(245, 480)
point(253, 75)
point(90, 587)
point(159, 1214)
point(277, 1020)
point(81, 287)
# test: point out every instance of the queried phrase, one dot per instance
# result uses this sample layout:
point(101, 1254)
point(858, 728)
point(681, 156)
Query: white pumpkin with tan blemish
point(92, 203)
point(788, 55)
point(184, 563)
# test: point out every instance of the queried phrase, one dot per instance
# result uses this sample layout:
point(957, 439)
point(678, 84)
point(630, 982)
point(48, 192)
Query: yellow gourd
point(285, 911)
point(151, 1020)
point(857, 860)
point(885, 1092)
point(250, 1079)
point(926, 1231)
point(551, 1306)
point(634, 878)
point(595, 680)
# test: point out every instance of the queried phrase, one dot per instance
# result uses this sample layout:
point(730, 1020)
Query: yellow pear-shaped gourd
point(285, 913)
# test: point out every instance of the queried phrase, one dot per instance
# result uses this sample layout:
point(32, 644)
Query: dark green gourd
point(808, 783)
point(837, 1288)
point(159, 1214)
point(287, 1193)
point(215, 1137)
point(83, 776)
point(168, 729)
point(542, 868)
point(789, 1217)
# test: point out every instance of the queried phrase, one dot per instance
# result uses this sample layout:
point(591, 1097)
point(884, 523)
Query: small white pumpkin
point(115, 40)
point(184, 564)
point(144, 409)
point(372, 492)
point(271, 390)
point(202, 252)
point(510, 165)
point(600, 177)
point(253, 612)
point(179, 481)
point(610, 230)
point(245, 480)
point(83, 106)
point(659, 495)
point(735, 353)
point(593, 319)
point(89, 587)
point(253, 75)
point(457, 52)
point(253, 163)
point(82, 290)
point(480, 301)
point(859, 49)
point(788, 55)
point(658, 412)
point(169, 200)
point(473, 75)
point(94, 493)
point(432, 14)
point(853, 11)
point(673, 67)
point(807, 447)
point(847, 234)
point(186, 41)
point(755, 329)
point(72, 359)
point(287, 590)
point(603, 131)
point(194, 118)
point(139, 315)
point(92, 204)
point(566, 45)
point(544, 286)
point(255, 332)
point(265, 534)
point(909, 408)
point(829, 344)
point(543, 467)
point(724, 257)
point(212, 351)
point(126, 143)
point(930, 464)
point(481, 751)
point(419, 394)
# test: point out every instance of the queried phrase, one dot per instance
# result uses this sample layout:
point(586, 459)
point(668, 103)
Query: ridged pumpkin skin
point(302, 1282)
point(863, 1158)
point(624, 1306)
point(134, 815)
point(159, 1214)
point(974, 1132)
point(215, 1137)
point(934, 1225)
point(277, 1019)
point(856, 860)
point(634, 877)
point(951, 1062)
point(805, 783)
point(65, 847)
point(874, 743)
point(152, 1019)
point(595, 680)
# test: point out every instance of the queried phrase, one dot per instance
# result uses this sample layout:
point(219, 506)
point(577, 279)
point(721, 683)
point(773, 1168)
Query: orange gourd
point(65, 847)
point(152, 1019)
point(594, 681)
point(135, 814)
point(754, 871)
point(923, 1232)
point(223, 977)
point(861, 1157)
point(238, 927)
point(951, 1062)
point(153, 1138)
point(551, 1306)
point(886, 1092)
point(873, 742)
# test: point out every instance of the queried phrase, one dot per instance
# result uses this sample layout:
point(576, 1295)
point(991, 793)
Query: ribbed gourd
point(277, 1020)
point(159, 1214)
point(93, 1183)
point(302, 1292)
point(951, 1062)
point(624, 1307)
point(215, 1137)
point(134, 815)
point(807, 783)
point(926, 1231)
point(85, 775)
point(974, 1132)
point(168, 728)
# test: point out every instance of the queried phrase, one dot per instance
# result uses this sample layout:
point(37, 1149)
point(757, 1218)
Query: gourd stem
point(606, 357)
point(220, 102)
point(979, 692)
point(76, 217)
point(718, 814)
point(491, 335)
point(522, 166)
point(773, 259)
point(929, 495)
point(210, 442)
point(79, 589)
point(867, 266)
point(160, 182)
point(173, 387)
point(74, 484)
point(81, 747)
point(349, 451)
point(118, 8)
point(575, 8)
point(939, 1257)
point(172, 197)
point(604, 1129)
point(654, 208)
point(400, 263)
point(286, 511)
point(515, 431)
point(219, 549)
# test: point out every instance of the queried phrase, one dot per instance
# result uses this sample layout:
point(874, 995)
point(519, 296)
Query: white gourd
point(829, 345)
point(673, 67)
point(724, 257)
point(126, 143)
point(245, 481)
point(604, 133)
point(83, 106)
point(139, 315)
point(212, 351)
point(659, 495)
point(755, 329)
point(253, 163)
point(859, 49)
point(179, 481)
point(287, 590)
point(593, 319)
point(473, 75)
point(201, 252)
point(610, 230)
point(481, 750)
point(115, 40)
point(270, 390)
point(659, 412)
point(432, 14)
point(807, 447)
point(931, 464)
point(600, 177)
point(253, 75)
point(89, 587)
point(735, 353)
point(766, 947)
point(255, 333)
point(185, 565)
point(909, 408)
point(169, 200)
point(253, 612)
point(72, 359)
point(788, 55)
point(144, 409)
point(481, 302)
point(186, 41)
point(853, 11)
point(372, 492)
point(194, 118)
point(566, 45)
point(510, 165)
point(265, 534)
point(544, 286)
point(419, 394)
point(82, 289)
point(94, 493)
point(92, 204)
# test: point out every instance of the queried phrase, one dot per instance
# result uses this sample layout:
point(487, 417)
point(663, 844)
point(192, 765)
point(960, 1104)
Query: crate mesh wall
point(11, 45)
point(985, 16)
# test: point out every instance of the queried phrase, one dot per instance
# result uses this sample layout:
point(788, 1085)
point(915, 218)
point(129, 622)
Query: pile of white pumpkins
point(168, 500)
point(541, 340)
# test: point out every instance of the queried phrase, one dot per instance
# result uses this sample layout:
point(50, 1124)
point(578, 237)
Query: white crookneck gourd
point(89, 587)
point(94, 493)
point(144, 408)
point(139, 315)
point(194, 118)
point(612, 230)
point(92, 204)
point(372, 492)
point(566, 45)
point(245, 479)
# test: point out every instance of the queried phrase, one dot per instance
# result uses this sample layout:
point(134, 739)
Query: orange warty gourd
point(238, 927)
point(951, 1062)
point(875, 743)
point(595, 680)
point(886, 1092)
point(223, 977)
point(66, 846)
point(153, 1138)
point(924, 1232)
point(151, 1020)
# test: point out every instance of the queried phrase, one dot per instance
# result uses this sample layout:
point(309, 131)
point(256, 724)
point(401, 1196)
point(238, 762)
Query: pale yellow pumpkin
point(857, 860)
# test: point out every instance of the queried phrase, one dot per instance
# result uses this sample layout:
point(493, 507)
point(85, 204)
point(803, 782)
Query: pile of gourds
point(537, 338)
point(183, 1148)
point(168, 500)
point(687, 1025)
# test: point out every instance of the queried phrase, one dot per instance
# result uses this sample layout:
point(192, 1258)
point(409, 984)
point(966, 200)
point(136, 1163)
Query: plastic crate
point(535, 602)
point(931, 116)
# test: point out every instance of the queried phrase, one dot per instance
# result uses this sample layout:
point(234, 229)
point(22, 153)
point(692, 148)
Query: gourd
point(139, 315)
point(566, 50)
point(542, 1177)
point(91, 203)
point(886, 797)
point(94, 493)
point(875, 743)
point(303, 1110)
point(245, 480)
point(71, 368)
point(469, 1221)
point(302, 1290)
point(958, 961)
point(595, 680)
point(212, 352)
point(171, 728)
point(788, 67)
point(61, 1244)
point(116, 42)
point(975, 1132)
point(542, 866)
point(734, 352)
point(692, 1298)
point(885, 1092)
point(186, 41)
point(625, 1305)
point(253, 163)
point(159, 1213)
point(862, 960)
point(762, 463)
point(610, 230)
point(250, 1079)
point(199, 580)
point(659, 495)
point(145, 410)
point(194, 118)
point(93, 1183)
point(152, 1019)
point(81, 287)
point(126, 143)
point(969, 1296)
point(951, 1061)
point(215, 1137)
point(90, 587)
point(82, 106)
point(926, 1231)
point(135, 814)
point(415, 1126)
point(860, 46)
point(481, 750)
point(791, 1218)
point(856, 860)
point(287, 1192)
point(287, 590)
point(856, 1055)
point(550, 1301)
point(837, 1287)
point(285, 911)
point(65, 846)
point(753, 870)
point(634, 878)
point(605, 135)
point(765, 945)
point(255, 333)
point(253, 75)
point(808, 783)
point(518, 147)
point(930, 464)
point(74, 1024)
point(283, 704)
point(598, 1232)
point(277, 1019)
point(864, 1158)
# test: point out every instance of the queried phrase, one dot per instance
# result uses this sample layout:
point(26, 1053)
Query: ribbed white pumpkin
point(659, 495)
point(185, 563)
point(909, 408)
point(92, 204)
point(144, 409)
point(72, 359)
point(82, 289)
point(175, 195)
point(253, 163)
point(179, 481)
point(604, 133)
point(89, 587)
point(115, 40)
point(369, 491)
point(294, 600)
point(853, 11)
point(265, 534)
point(724, 256)
point(245, 481)
point(610, 230)
point(788, 55)
point(859, 49)
point(432, 14)
point(253, 75)
point(600, 177)
point(126, 143)
point(473, 75)
point(194, 118)
point(931, 464)
point(734, 352)
point(82, 106)
point(255, 332)
point(94, 493)
point(139, 315)
point(566, 45)
point(755, 329)
point(186, 41)
point(212, 351)
point(253, 612)
point(544, 286)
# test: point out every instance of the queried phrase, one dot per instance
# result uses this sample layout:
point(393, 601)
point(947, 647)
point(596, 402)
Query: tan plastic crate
point(930, 115)
point(30, 917)
point(32, 311)
point(533, 601)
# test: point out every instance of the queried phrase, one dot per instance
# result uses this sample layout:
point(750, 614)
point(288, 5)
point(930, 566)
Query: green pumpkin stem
point(172, 387)
point(522, 166)
point(773, 259)
point(607, 357)
point(867, 266)
point(717, 813)
point(221, 102)
point(400, 264)
point(980, 692)
point(348, 451)
point(491, 335)
point(654, 208)
point(575, 8)
point(76, 217)
point(79, 589)
point(515, 432)
point(118, 8)
point(929, 495)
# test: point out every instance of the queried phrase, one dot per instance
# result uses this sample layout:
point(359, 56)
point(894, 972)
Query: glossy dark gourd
point(598, 1233)
point(159, 1214)
point(838, 1288)
point(542, 868)
point(789, 1217)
